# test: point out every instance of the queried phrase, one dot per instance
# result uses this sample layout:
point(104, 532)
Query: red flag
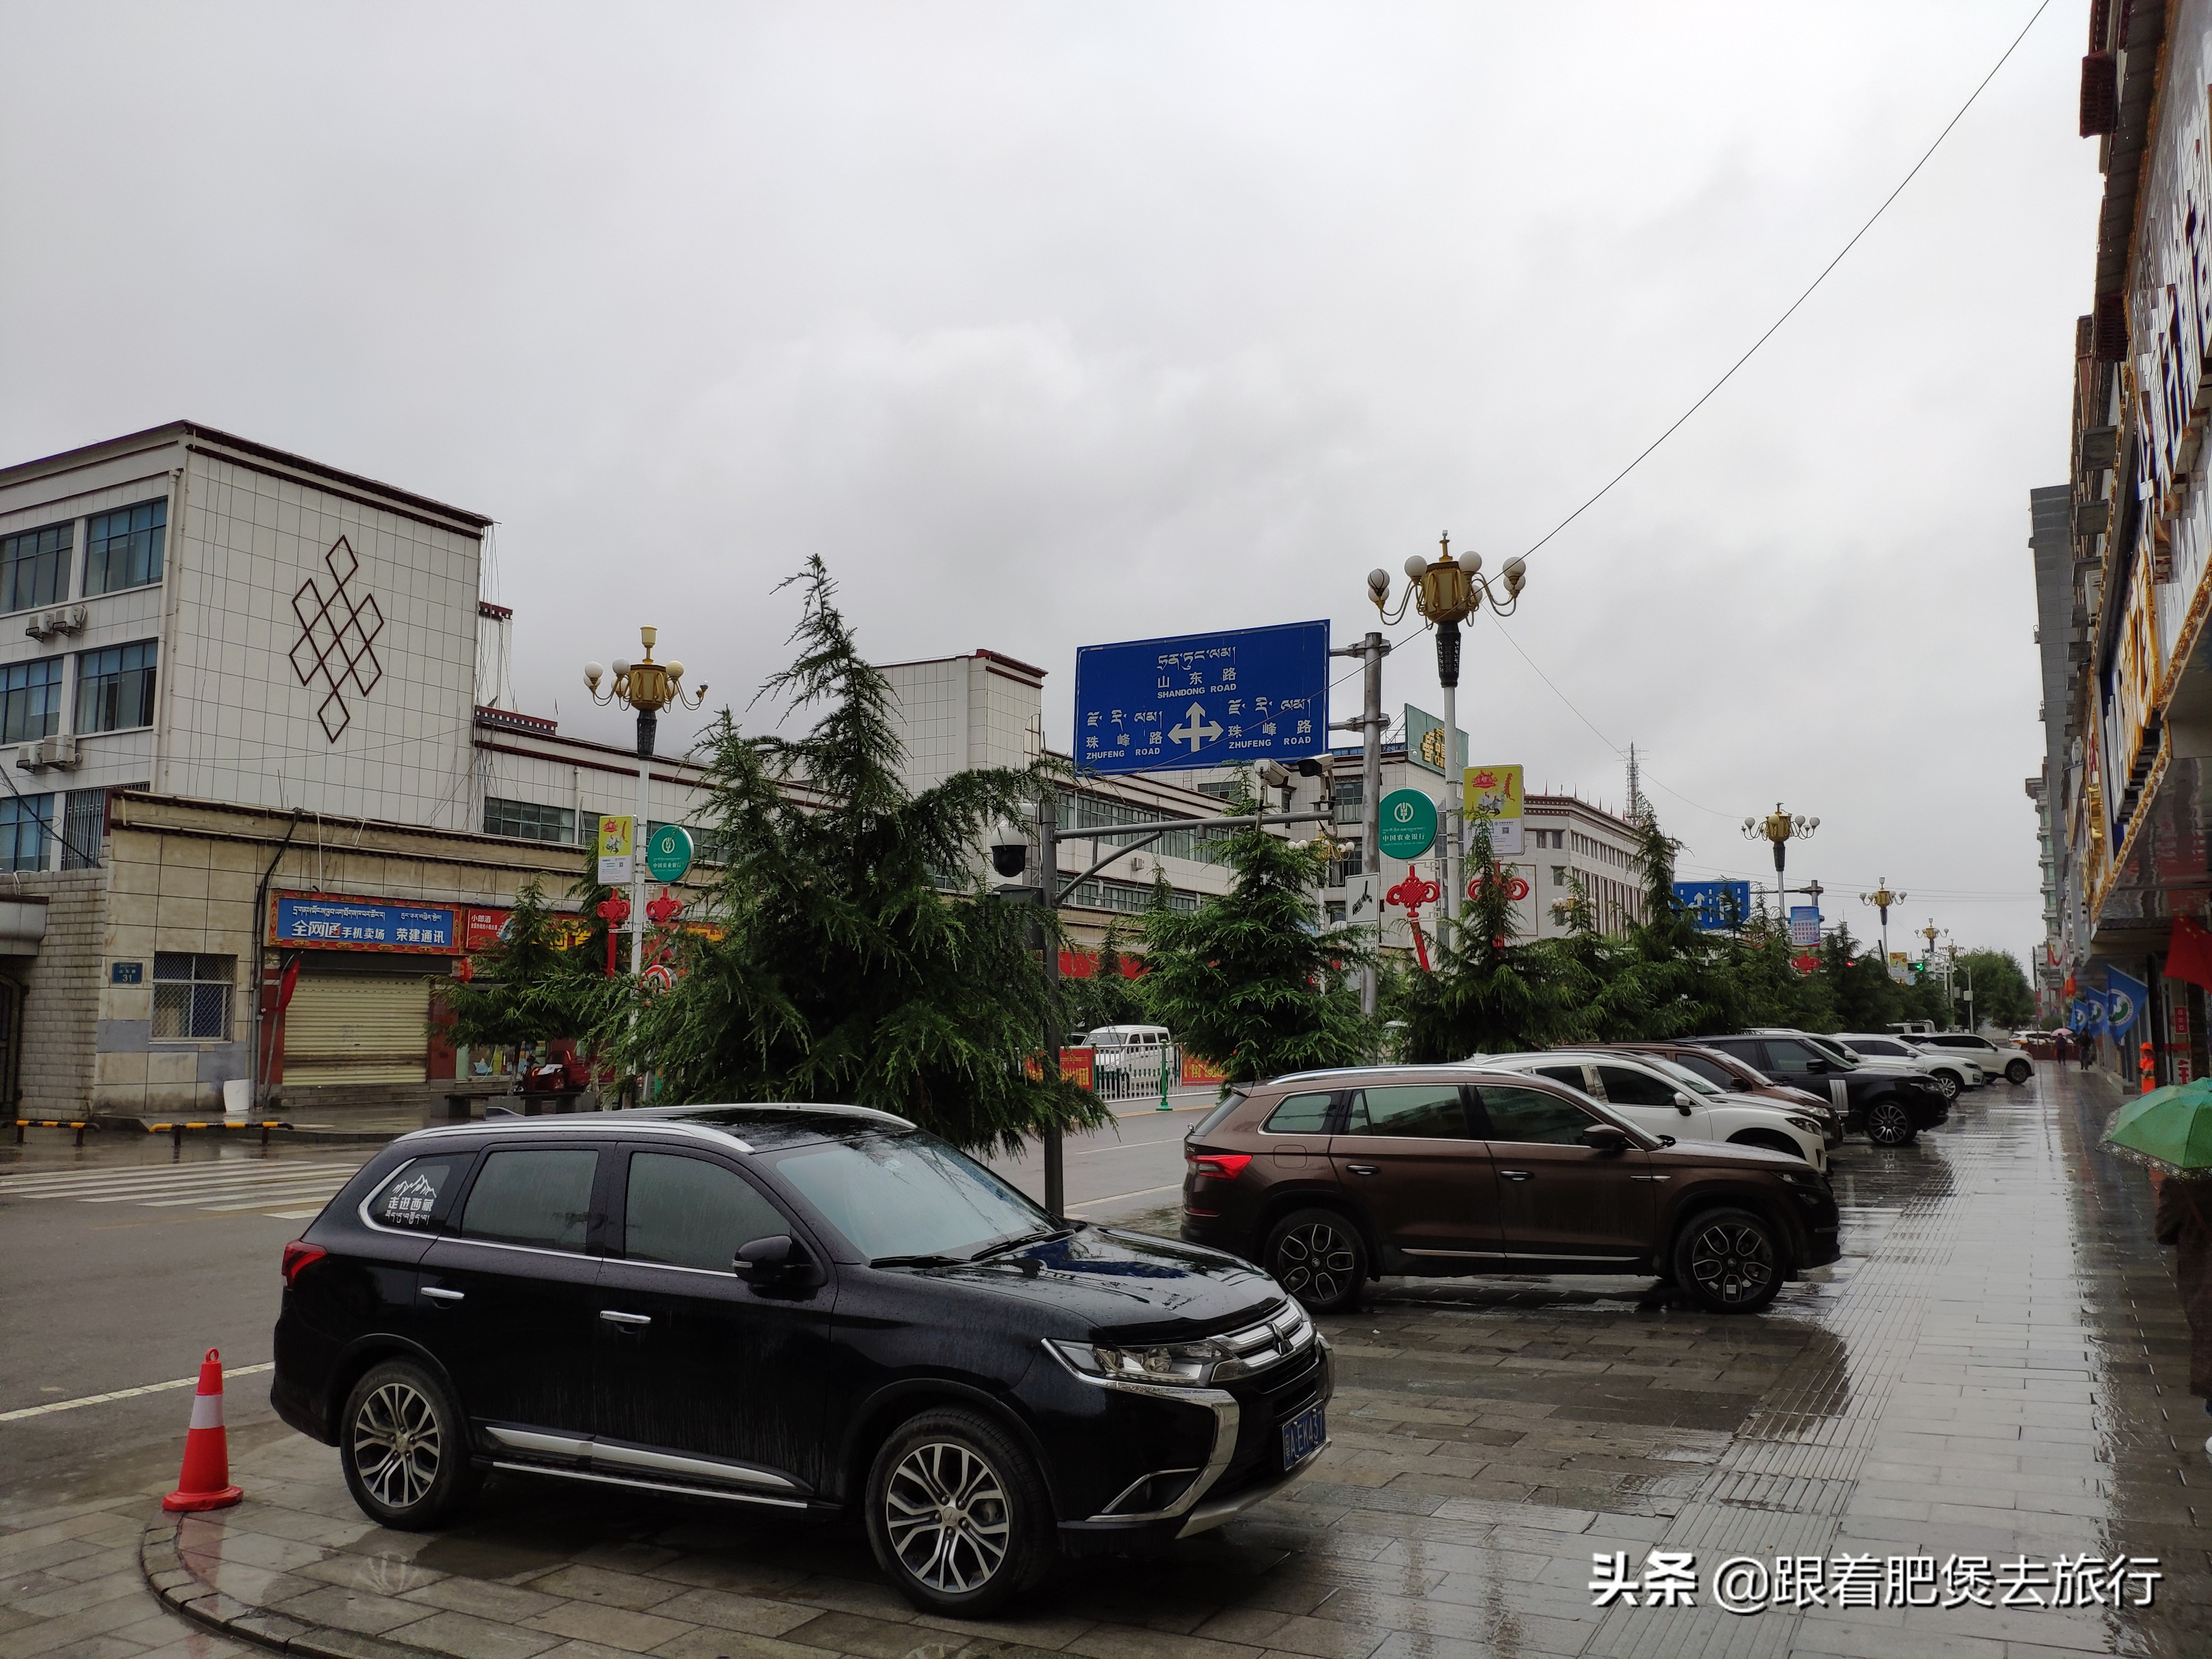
point(286, 985)
point(2190, 954)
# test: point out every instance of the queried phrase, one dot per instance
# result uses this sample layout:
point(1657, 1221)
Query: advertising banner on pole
point(1804, 924)
point(1494, 793)
point(1203, 699)
point(2125, 997)
point(1900, 968)
point(618, 851)
point(1425, 743)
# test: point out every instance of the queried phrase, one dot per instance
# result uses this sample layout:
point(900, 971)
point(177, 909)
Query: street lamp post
point(1447, 593)
point(1780, 827)
point(649, 687)
point(1881, 898)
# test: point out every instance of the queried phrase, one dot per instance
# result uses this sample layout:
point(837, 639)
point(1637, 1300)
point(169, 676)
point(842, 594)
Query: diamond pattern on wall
point(338, 633)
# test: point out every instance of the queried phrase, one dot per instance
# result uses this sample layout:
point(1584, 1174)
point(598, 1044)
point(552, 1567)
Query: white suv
point(1647, 1091)
point(1952, 1071)
point(2008, 1058)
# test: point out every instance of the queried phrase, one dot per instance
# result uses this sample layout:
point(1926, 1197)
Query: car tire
point(1888, 1124)
point(1768, 1140)
point(404, 1447)
point(1319, 1257)
point(2018, 1071)
point(960, 1463)
point(1949, 1082)
point(1729, 1262)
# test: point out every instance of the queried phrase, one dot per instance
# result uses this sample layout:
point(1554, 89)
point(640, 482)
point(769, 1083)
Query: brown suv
point(1328, 1179)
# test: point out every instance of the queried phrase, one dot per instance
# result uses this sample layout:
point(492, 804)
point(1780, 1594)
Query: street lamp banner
point(1804, 924)
point(1900, 968)
point(618, 851)
point(1715, 905)
point(1494, 793)
point(1203, 699)
point(1425, 743)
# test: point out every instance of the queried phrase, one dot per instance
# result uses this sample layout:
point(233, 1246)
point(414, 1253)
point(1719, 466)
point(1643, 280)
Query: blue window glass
point(34, 567)
point(30, 701)
point(24, 821)
point(123, 548)
point(115, 688)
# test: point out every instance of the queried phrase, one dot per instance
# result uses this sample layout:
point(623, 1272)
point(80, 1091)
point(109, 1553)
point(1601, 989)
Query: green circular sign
point(1409, 823)
point(668, 854)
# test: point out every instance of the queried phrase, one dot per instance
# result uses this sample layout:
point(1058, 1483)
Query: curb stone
point(185, 1592)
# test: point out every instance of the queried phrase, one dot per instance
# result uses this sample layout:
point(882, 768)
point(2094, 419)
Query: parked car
point(2010, 1059)
point(1954, 1072)
point(1332, 1178)
point(1725, 1072)
point(1664, 1101)
point(1889, 1108)
point(1951, 1076)
point(805, 1311)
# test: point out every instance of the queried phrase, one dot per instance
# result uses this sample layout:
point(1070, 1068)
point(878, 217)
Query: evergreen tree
point(1251, 979)
point(1110, 996)
point(844, 972)
point(527, 988)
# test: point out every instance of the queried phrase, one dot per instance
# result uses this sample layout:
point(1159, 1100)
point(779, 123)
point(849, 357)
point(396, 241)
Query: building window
point(1335, 913)
point(1558, 875)
point(30, 701)
point(123, 548)
point(1079, 815)
point(527, 821)
point(1351, 799)
point(25, 823)
point(1130, 898)
point(84, 829)
point(191, 996)
point(34, 567)
point(115, 688)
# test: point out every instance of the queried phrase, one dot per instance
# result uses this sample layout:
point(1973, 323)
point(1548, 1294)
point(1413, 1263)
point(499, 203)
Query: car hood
point(1784, 1094)
point(1710, 1152)
point(1112, 1285)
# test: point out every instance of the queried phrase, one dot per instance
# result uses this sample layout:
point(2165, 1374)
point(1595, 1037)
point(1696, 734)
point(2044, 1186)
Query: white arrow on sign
point(1196, 730)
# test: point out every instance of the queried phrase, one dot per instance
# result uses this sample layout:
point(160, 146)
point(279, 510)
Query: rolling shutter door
point(357, 1028)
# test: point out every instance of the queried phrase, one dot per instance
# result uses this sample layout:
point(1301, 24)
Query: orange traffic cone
point(205, 1483)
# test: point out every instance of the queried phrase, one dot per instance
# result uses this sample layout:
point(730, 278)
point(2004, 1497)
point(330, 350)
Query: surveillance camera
point(1010, 848)
point(1272, 775)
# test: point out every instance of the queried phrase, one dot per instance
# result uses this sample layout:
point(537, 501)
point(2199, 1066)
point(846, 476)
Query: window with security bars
point(34, 567)
point(115, 688)
point(123, 548)
point(191, 996)
point(30, 701)
point(25, 823)
point(527, 820)
point(84, 829)
point(1129, 897)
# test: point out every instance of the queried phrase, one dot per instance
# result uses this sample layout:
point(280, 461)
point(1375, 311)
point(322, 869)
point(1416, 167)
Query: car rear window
point(1533, 1116)
point(1626, 1086)
point(1300, 1114)
point(416, 1195)
point(1219, 1115)
point(1570, 1075)
point(1428, 1111)
point(539, 1196)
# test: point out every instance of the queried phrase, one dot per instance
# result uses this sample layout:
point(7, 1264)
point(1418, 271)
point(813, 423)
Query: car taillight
point(298, 1257)
point(1220, 1166)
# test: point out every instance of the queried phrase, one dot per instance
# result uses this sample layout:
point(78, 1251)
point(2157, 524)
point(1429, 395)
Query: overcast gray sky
point(1051, 324)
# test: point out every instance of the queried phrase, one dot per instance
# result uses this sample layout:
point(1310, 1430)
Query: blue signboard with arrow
point(1203, 699)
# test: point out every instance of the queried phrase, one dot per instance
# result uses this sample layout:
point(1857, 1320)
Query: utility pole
point(1371, 651)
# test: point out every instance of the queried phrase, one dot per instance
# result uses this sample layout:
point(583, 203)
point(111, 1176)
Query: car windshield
point(1681, 1074)
point(910, 1195)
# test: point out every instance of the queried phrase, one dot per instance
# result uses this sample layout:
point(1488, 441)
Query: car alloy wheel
point(2019, 1071)
point(1949, 1083)
point(401, 1444)
point(1318, 1257)
point(945, 1510)
point(958, 1514)
point(1729, 1260)
point(1888, 1124)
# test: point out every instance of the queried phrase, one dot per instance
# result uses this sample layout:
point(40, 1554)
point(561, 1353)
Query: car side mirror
point(768, 1260)
point(1816, 1065)
point(1681, 1102)
point(1604, 1138)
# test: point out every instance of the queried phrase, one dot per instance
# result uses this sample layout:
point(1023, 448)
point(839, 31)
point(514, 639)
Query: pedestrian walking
point(2085, 1050)
point(2059, 1047)
point(2181, 1221)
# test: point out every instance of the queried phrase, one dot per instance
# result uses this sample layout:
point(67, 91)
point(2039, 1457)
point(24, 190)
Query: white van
point(1114, 1046)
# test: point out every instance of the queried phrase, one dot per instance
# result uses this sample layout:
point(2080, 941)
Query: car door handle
point(437, 1295)
point(614, 1318)
point(1517, 1175)
point(1361, 1168)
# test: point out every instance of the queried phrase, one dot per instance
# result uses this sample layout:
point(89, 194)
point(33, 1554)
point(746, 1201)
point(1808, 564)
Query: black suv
point(1889, 1108)
point(803, 1310)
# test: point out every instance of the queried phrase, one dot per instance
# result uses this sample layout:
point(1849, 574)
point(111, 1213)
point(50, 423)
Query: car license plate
point(1304, 1434)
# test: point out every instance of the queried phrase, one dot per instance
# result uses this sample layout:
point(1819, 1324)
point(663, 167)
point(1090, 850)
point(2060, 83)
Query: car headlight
point(1810, 1126)
point(1211, 1360)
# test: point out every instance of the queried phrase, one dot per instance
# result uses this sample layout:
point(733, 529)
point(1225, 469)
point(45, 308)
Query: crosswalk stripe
point(215, 1188)
point(122, 1181)
point(249, 1197)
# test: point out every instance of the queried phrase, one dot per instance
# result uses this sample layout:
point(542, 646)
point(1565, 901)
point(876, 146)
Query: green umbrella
point(2168, 1128)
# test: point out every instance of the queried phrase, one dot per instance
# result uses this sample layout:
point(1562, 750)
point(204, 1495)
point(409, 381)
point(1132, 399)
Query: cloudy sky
point(1048, 325)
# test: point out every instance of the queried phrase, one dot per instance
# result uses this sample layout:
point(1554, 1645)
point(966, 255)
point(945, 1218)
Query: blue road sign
point(1203, 699)
point(1715, 904)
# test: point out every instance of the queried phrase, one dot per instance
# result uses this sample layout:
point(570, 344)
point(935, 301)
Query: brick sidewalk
point(1989, 1371)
